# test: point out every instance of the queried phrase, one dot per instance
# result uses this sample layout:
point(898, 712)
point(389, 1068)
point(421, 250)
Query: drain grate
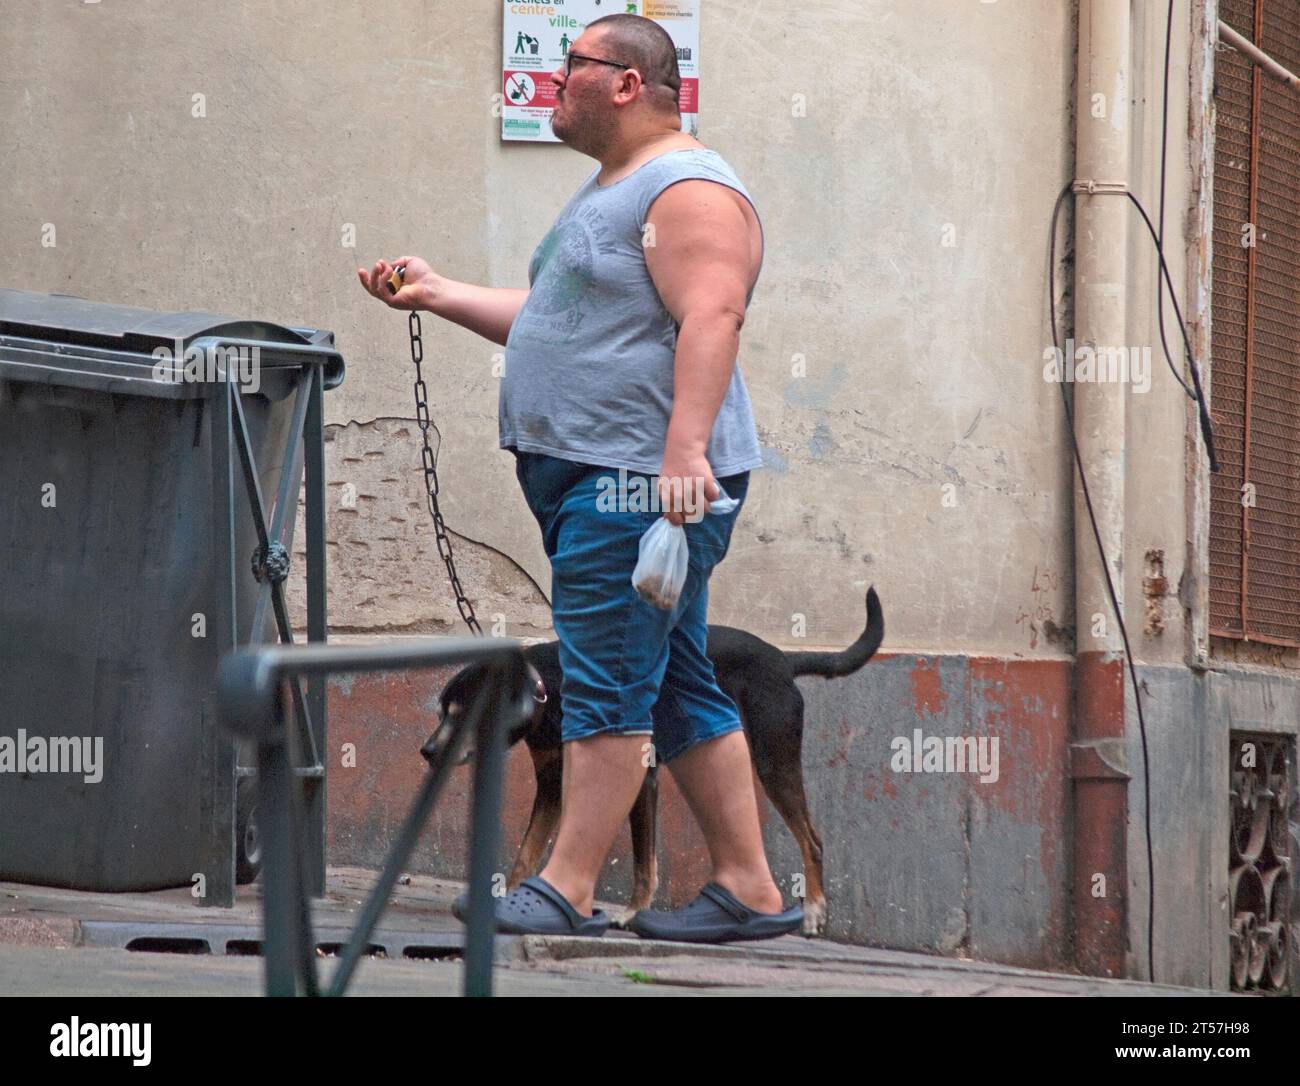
point(165, 945)
point(251, 948)
point(434, 953)
point(245, 940)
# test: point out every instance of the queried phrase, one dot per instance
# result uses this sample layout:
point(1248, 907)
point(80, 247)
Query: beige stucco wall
point(1156, 462)
point(922, 451)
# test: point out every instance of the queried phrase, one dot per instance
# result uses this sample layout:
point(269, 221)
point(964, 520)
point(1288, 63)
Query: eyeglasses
point(570, 57)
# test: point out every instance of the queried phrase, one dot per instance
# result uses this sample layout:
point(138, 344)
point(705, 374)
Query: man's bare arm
point(701, 266)
point(487, 311)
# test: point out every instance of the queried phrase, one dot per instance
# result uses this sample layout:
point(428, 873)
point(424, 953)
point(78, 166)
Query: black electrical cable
point(1207, 431)
point(1202, 409)
point(1110, 584)
point(1163, 280)
point(1160, 231)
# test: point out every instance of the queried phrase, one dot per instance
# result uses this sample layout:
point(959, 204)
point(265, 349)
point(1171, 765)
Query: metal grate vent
point(1255, 498)
point(1233, 155)
point(1262, 792)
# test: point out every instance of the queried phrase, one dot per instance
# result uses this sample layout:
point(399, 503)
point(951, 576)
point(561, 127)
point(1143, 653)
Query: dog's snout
point(530, 707)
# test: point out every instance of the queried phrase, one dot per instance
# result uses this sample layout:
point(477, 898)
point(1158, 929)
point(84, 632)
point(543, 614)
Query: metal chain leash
point(431, 475)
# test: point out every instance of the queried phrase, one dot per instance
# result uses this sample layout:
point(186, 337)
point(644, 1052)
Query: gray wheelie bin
point(130, 558)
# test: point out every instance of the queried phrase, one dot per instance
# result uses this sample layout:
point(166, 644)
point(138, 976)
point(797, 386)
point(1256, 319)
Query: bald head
point(647, 47)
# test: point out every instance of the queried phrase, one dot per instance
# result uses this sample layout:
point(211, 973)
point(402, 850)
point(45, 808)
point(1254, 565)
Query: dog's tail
point(834, 665)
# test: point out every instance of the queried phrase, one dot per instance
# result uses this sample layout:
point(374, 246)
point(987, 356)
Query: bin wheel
point(248, 838)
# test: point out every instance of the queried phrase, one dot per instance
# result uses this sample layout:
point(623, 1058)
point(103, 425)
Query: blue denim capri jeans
point(629, 667)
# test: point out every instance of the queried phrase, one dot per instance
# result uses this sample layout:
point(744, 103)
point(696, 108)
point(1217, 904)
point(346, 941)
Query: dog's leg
point(645, 857)
point(773, 717)
point(548, 765)
point(782, 780)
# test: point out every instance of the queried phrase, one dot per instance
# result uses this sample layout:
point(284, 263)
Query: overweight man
point(621, 368)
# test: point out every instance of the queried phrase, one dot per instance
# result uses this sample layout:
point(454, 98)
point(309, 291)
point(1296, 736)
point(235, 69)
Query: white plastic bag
point(661, 558)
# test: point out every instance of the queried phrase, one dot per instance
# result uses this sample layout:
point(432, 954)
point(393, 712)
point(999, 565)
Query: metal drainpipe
point(1097, 755)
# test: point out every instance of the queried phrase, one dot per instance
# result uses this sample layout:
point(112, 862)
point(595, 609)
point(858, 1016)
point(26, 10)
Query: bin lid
point(76, 336)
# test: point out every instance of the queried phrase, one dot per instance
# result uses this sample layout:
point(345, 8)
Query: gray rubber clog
point(535, 907)
point(716, 916)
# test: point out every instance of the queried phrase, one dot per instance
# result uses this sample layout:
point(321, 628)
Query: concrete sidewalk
point(65, 942)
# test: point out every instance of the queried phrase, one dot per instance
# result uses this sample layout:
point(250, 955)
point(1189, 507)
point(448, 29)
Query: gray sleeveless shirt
point(589, 359)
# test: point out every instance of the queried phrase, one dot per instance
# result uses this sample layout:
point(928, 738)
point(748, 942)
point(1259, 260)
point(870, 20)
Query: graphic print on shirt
point(561, 278)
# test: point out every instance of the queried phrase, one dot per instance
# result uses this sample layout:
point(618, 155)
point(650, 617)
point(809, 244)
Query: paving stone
point(67, 942)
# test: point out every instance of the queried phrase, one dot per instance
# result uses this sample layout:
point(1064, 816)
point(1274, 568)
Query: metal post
point(398, 856)
point(314, 455)
point(489, 763)
point(252, 703)
point(1258, 57)
point(217, 773)
point(284, 937)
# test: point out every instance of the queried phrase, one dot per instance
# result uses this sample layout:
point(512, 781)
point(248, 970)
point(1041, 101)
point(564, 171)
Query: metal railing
point(232, 458)
point(252, 701)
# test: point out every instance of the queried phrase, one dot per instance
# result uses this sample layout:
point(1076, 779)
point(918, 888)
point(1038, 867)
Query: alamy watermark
point(131, 1040)
point(1098, 365)
point(921, 753)
point(240, 363)
point(25, 753)
point(640, 494)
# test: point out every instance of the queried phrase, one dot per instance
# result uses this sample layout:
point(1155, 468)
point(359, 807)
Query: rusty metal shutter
point(1255, 498)
point(1229, 342)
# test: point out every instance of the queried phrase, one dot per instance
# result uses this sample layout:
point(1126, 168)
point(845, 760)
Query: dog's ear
point(452, 699)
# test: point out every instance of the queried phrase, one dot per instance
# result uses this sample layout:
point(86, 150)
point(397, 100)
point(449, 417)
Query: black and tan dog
point(759, 678)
